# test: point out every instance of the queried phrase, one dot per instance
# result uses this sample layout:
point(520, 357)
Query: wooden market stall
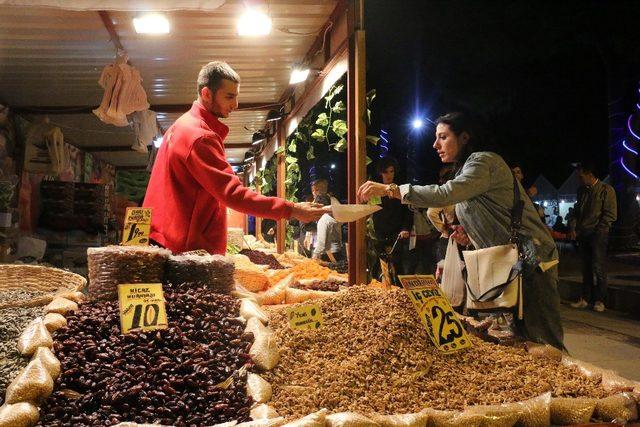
point(53, 53)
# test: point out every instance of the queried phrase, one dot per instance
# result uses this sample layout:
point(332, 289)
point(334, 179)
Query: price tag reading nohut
point(137, 227)
point(141, 307)
point(305, 317)
point(435, 312)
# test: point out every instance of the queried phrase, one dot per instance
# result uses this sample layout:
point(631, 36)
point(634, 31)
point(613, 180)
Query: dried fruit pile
point(261, 258)
point(373, 356)
point(171, 376)
point(320, 285)
point(305, 270)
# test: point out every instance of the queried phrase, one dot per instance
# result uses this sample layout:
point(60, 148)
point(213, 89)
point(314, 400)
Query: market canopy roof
point(53, 57)
point(569, 189)
point(546, 190)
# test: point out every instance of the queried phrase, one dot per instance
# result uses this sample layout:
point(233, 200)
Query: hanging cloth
point(123, 93)
point(146, 129)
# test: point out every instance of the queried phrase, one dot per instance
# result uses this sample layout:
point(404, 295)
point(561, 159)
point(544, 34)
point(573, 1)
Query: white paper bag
point(350, 213)
point(452, 281)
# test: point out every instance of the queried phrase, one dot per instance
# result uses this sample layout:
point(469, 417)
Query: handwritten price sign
point(435, 312)
point(141, 307)
point(137, 227)
point(305, 317)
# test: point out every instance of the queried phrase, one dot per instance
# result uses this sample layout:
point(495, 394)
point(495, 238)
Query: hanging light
point(257, 138)
point(274, 115)
point(157, 142)
point(254, 23)
point(152, 23)
point(298, 75)
point(417, 123)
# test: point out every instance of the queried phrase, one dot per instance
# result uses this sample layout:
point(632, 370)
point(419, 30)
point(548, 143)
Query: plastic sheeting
point(122, 5)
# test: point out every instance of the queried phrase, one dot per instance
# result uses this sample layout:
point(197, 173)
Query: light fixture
point(274, 115)
point(298, 75)
point(417, 123)
point(157, 142)
point(333, 165)
point(257, 138)
point(151, 24)
point(254, 23)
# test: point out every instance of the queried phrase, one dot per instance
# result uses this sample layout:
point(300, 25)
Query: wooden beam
point(108, 24)
point(356, 149)
point(339, 10)
point(160, 108)
point(281, 189)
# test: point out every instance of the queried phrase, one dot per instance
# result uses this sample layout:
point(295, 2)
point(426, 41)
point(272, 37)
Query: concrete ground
point(611, 339)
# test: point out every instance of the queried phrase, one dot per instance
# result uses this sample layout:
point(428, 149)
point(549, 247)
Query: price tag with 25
point(141, 307)
point(435, 312)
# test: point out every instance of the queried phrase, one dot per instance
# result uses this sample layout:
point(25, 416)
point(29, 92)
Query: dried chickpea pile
point(373, 356)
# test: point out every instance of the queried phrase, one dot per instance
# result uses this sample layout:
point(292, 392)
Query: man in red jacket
point(192, 183)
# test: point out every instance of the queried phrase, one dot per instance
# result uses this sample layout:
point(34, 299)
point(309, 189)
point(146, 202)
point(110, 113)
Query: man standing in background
point(594, 214)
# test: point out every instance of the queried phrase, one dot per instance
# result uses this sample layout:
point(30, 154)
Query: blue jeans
point(593, 253)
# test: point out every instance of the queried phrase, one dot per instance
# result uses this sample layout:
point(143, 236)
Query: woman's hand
point(404, 234)
point(460, 236)
point(371, 189)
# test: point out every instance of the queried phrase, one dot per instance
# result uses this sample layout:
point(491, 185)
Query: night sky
point(532, 71)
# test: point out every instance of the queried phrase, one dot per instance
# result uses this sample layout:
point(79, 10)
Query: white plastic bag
point(452, 281)
point(350, 213)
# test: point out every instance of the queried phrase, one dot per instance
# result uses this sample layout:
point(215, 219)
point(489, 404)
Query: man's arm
point(208, 165)
point(609, 209)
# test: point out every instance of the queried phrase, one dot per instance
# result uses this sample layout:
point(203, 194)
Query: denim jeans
point(593, 253)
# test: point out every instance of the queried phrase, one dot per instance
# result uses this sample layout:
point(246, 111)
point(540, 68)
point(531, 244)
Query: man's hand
point(309, 212)
point(404, 234)
point(370, 189)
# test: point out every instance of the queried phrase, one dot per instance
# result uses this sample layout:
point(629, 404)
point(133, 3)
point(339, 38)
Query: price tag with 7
point(137, 227)
point(435, 312)
point(141, 307)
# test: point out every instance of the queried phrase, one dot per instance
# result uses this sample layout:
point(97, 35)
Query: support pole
point(281, 173)
point(356, 151)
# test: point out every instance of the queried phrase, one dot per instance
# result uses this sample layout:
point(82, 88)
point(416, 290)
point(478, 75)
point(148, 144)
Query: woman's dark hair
point(458, 123)
point(386, 162)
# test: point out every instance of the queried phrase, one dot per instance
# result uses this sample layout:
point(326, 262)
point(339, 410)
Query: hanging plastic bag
point(452, 281)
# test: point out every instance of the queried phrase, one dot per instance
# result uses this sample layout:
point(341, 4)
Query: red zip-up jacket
point(192, 184)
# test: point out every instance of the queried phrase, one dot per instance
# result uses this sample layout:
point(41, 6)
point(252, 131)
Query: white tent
point(546, 190)
point(569, 189)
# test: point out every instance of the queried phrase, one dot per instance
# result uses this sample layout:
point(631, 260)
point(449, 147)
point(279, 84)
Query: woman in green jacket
point(483, 193)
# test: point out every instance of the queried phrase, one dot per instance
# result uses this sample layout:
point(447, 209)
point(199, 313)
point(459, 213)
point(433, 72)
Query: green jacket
point(595, 210)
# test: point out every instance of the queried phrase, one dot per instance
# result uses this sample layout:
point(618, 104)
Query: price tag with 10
point(435, 312)
point(141, 307)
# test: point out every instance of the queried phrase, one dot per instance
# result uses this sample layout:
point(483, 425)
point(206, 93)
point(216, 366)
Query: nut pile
point(320, 285)
point(12, 323)
point(373, 356)
point(112, 265)
point(171, 376)
point(261, 258)
point(212, 271)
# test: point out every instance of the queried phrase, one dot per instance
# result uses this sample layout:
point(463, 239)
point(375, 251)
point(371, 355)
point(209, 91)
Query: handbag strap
point(516, 211)
point(495, 292)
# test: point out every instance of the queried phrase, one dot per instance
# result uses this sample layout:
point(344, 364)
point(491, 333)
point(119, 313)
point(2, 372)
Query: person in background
point(443, 218)
point(559, 225)
point(192, 183)
point(483, 193)
point(328, 245)
point(319, 187)
point(393, 221)
point(594, 213)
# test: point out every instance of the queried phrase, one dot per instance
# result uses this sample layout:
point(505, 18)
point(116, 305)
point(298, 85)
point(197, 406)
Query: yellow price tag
point(137, 227)
point(435, 312)
point(141, 307)
point(305, 317)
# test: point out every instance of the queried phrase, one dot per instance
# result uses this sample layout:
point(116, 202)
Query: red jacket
point(192, 184)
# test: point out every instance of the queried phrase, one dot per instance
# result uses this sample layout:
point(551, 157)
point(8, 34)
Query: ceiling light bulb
point(254, 23)
point(157, 142)
point(417, 124)
point(151, 24)
point(298, 75)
